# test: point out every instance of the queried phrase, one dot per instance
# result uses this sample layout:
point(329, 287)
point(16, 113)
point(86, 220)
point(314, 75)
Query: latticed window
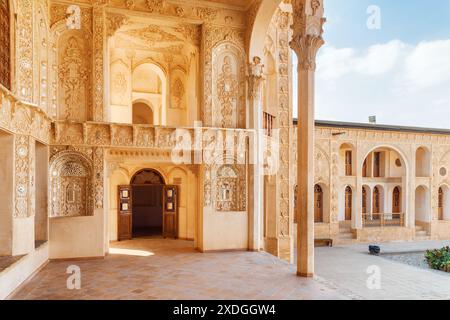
point(5, 52)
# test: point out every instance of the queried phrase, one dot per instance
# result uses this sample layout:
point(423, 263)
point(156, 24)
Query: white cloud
point(400, 83)
point(378, 59)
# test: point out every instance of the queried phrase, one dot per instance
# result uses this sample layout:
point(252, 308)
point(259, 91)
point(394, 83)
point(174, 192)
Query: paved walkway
point(345, 267)
point(169, 269)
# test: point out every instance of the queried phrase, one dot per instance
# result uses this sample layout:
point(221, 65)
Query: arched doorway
point(318, 204)
point(376, 200)
point(348, 203)
point(422, 205)
point(396, 200)
point(142, 113)
point(147, 207)
point(365, 201)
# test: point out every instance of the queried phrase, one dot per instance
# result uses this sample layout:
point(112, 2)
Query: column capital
point(255, 77)
point(307, 30)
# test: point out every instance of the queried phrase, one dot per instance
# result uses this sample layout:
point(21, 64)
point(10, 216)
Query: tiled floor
point(170, 269)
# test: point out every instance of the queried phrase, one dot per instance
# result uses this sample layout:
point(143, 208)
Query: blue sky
point(400, 73)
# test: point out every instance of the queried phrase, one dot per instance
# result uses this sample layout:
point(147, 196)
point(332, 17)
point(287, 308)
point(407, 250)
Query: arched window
point(396, 200)
point(5, 51)
point(318, 204)
point(348, 203)
point(441, 204)
point(348, 162)
point(376, 200)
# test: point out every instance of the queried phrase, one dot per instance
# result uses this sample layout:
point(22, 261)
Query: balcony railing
point(383, 220)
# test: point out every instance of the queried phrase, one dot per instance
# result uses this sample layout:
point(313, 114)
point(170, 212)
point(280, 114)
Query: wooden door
point(318, 204)
point(396, 198)
point(364, 200)
point(170, 211)
point(441, 204)
point(348, 163)
point(348, 203)
point(124, 213)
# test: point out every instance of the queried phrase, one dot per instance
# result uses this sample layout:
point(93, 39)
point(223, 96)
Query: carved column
point(358, 220)
point(256, 202)
point(99, 54)
point(307, 39)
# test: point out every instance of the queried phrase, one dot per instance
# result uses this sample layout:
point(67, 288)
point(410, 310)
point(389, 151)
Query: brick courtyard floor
point(170, 269)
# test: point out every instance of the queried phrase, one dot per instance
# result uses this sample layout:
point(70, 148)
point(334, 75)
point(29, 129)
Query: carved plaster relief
point(228, 91)
point(70, 185)
point(73, 76)
point(229, 188)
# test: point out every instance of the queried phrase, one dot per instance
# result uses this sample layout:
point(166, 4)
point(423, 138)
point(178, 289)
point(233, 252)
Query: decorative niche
point(230, 189)
point(71, 184)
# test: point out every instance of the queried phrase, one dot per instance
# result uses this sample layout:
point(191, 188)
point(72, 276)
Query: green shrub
point(439, 259)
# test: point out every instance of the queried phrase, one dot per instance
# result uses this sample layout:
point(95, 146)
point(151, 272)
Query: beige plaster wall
point(77, 237)
point(6, 192)
point(224, 230)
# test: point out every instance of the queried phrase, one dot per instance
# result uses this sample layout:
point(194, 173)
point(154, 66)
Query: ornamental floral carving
point(229, 87)
point(177, 94)
point(24, 176)
point(74, 80)
point(215, 40)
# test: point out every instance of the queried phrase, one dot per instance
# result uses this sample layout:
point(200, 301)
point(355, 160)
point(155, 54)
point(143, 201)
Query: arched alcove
point(378, 200)
point(142, 113)
point(422, 204)
point(149, 84)
point(397, 200)
point(423, 162)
